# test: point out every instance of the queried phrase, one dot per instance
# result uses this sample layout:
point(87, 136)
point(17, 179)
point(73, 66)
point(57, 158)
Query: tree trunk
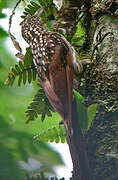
point(100, 83)
point(101, 87)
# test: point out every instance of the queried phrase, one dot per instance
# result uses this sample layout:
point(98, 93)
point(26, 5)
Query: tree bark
point(101, 87)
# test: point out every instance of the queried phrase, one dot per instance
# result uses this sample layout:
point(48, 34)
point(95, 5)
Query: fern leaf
point(28, 58)
point(25, 70)
point(63, 133)
point(49, 9)
point(56, 134)
point(11, 79)
point(17, 68)
point(29, 75)
point(41, 176)
point(24, 78)
point(19, 79)
point(21, 65)
point(30, 9)
point(39, 106)
point(14, 71)
point(33, 4)
point(34, 75)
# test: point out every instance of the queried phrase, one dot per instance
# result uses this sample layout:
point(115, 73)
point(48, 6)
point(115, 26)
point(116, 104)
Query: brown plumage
point(56, 62)
point(53, 59)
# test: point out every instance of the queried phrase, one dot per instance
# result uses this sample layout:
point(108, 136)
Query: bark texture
point(101, 86)
point(99, 82)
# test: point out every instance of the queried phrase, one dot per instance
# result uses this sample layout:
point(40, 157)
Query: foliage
point(20, 147)
point(16, 142)
point(25, 70)
point(16, 139)
point(6, 4)
point(80, 36)
point(41, 177)
point(85, 115)
point(49, 9)
point(91, 112)
point(40, 105)
point(50, 130)
point(56, 134)
point(3, 33)
point(85, 118)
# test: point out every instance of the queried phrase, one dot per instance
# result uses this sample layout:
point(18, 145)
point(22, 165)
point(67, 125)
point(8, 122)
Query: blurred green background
point(16, 138)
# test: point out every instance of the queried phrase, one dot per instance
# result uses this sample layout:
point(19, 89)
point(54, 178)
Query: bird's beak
point(39, 11)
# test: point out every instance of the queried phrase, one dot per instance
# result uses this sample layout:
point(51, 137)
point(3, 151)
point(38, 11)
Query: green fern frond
point(24, 70)
point(56, 134)
point(41, 177)
point(30, 9)
point(49, 9)
point(39, 106)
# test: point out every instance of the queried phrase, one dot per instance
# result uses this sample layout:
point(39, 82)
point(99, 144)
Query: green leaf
point(56, 133)
point(3, 4)
point(80, 34)
point(3, 33)
point(28, 59)
point(34, 4)
point(41, 177)
point(19, 79)
point(25, 70)
point(14, 71)
point(11, 79)
point(91, 113)
point(85, 116)
point(63, 133)
point(21, 65)
point(17, 68)
point(16, 138)
point(24, 77)
point(29, 75)
point(81, 111)
point(49, 10)
point(30, 9)
point(2, 15)
point(39, 106)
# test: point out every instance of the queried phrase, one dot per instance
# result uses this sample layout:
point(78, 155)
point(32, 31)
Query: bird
point(55, 60)
point(57, 63)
